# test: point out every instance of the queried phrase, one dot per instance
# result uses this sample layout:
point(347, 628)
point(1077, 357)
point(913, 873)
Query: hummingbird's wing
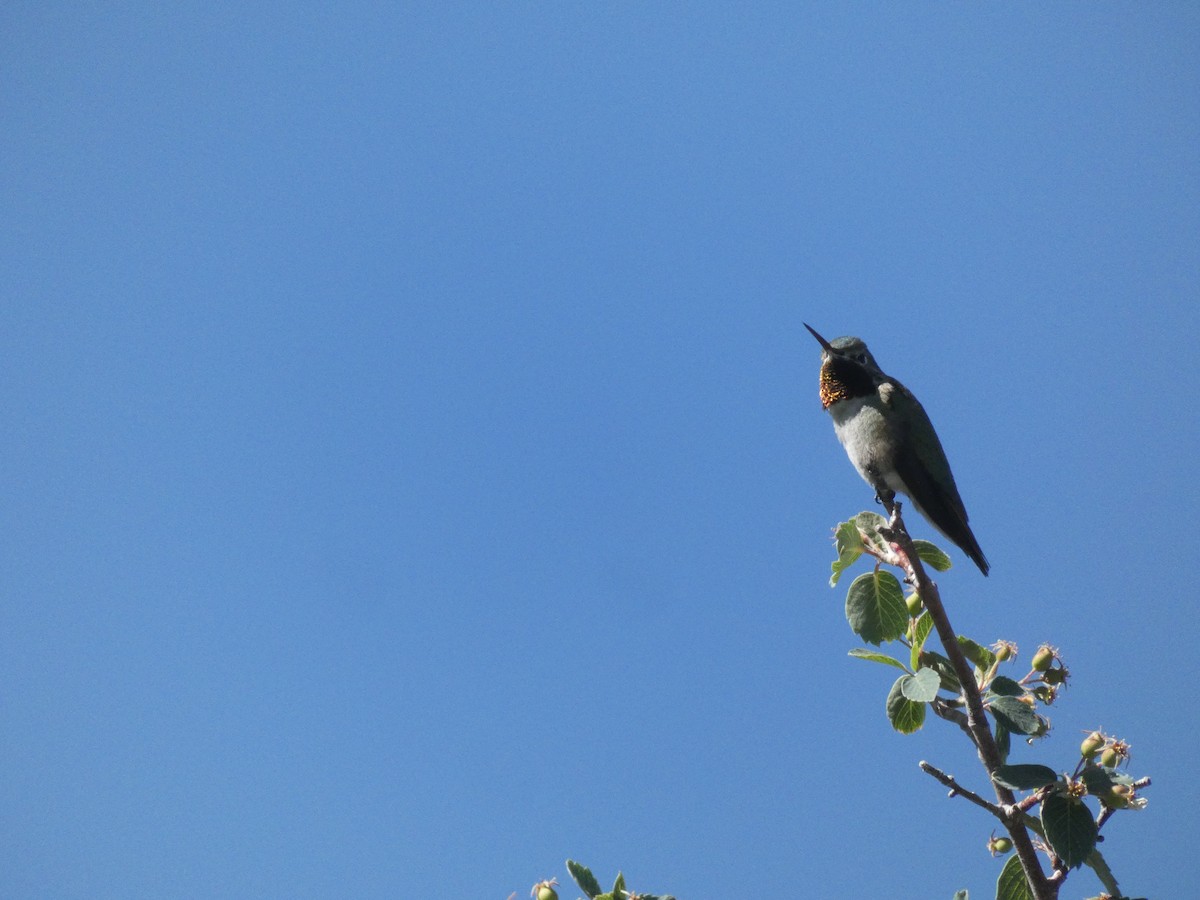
point(922, 465)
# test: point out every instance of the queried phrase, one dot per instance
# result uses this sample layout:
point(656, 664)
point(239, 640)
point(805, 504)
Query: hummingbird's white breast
point(861, 424)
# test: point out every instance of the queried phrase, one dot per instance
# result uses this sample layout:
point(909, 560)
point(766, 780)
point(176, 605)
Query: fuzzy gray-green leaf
point(584, 878)
point(1069, 828)
point(1006, 687)
point(875, 607)
point(619, 885)
point(1011, 885)
point(906, 716)
point(921, 687)
point(976, 653)
point(1015, 715)
point(849, 546)
point(920, 632)
point(932, 556)
point(1024, 777)
point(873, 656)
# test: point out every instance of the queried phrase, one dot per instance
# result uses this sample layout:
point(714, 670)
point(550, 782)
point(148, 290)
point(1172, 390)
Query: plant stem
point(977, 723)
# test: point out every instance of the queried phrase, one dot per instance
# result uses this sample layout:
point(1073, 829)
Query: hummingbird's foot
point(887, 499)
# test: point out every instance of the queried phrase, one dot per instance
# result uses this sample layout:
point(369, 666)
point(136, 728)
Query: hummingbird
point(889, 438)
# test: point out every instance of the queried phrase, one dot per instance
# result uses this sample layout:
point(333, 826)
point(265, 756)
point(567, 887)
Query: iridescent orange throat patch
point(842, 379)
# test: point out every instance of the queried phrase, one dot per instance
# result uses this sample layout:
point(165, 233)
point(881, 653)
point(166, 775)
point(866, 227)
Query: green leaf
point(1024, 777)
point(1069, 828)
point(1006, 687)
point(868, 524)
point(1100, 780)
point(1003, 740)
point(619, 885)
point(864, 653)
point(849, 546)
point(921, 687)
point(584, 878)
point(1011, 885)
point(1098, 864)
point(944, 668)
point(875, 607)
point(976, 653)
point(932, 556)
point(905, 715)
point(1014, 715)
point(920, 632)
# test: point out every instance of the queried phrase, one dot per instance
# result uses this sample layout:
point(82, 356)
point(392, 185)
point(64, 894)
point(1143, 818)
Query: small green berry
point(1119, 797)
point(1091, 745)
point(1043, 658)
point(1004, 650)
point(998, 846)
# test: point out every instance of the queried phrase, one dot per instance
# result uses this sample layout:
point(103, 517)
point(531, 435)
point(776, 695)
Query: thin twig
point(945, 711)
point(959, 790)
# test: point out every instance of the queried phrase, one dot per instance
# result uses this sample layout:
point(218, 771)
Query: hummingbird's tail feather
point(943, 508)
point(965, 539)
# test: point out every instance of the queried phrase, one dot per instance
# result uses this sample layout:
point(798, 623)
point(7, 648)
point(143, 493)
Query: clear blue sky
point(413, 467)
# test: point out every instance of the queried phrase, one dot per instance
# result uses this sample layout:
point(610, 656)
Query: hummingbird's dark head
point(851, 349)
point(854, 350)
point(847, 369)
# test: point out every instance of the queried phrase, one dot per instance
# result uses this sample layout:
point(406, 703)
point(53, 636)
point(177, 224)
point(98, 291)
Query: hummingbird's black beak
point(820, 340)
